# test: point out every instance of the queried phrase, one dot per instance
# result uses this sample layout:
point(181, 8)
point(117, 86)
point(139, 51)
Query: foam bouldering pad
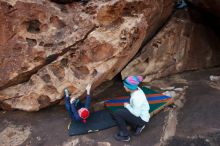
point(101, 120)
point(97, 121)
point(157, 101)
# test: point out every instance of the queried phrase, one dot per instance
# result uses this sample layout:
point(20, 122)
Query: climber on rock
point(69, 1)
point(77, 110)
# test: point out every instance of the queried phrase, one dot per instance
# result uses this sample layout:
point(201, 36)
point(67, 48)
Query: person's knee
point(121, 112)
point(115, 114)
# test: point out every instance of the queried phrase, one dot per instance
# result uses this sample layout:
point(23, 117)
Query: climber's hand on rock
point(88, 88)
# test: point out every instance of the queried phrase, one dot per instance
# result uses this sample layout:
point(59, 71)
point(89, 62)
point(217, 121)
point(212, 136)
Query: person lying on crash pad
point(77, 110)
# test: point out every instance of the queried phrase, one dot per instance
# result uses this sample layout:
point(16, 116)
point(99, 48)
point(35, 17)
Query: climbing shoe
point(139, 130)
point(66, 92)
point(118, 137)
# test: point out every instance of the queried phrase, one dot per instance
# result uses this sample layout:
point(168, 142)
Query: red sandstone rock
point(46, 47)
point(181, 45)
point(34, 34)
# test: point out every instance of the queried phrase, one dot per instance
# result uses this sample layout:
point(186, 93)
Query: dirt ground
point(193, 122)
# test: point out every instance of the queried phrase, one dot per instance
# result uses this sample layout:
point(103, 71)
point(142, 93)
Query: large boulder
point(46, 47)
point(212, 6)
point(182, 44)
point(35, 34)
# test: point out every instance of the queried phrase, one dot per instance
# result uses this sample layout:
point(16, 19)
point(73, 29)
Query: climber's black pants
point(123, 116)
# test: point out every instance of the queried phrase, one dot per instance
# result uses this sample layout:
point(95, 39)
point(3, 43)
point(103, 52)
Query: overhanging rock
point(46, 47)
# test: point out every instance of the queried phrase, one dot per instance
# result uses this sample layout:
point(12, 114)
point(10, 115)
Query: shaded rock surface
point(182, 44)
point(46, 47)
point(63, 1)
point(212, 6)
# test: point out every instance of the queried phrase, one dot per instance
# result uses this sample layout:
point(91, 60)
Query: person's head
point(83, 113)
point(131, 83)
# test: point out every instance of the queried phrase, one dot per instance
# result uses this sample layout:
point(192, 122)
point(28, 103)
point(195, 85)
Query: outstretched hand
point(88, 88)
point(72, 100)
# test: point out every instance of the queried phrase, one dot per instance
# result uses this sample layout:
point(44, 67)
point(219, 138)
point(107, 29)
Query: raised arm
point(88, 98)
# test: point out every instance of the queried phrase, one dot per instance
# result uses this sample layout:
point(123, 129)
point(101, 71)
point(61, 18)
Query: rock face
point(212, 6)
point(32, 37)
point(181, 45)
point(46, 47)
